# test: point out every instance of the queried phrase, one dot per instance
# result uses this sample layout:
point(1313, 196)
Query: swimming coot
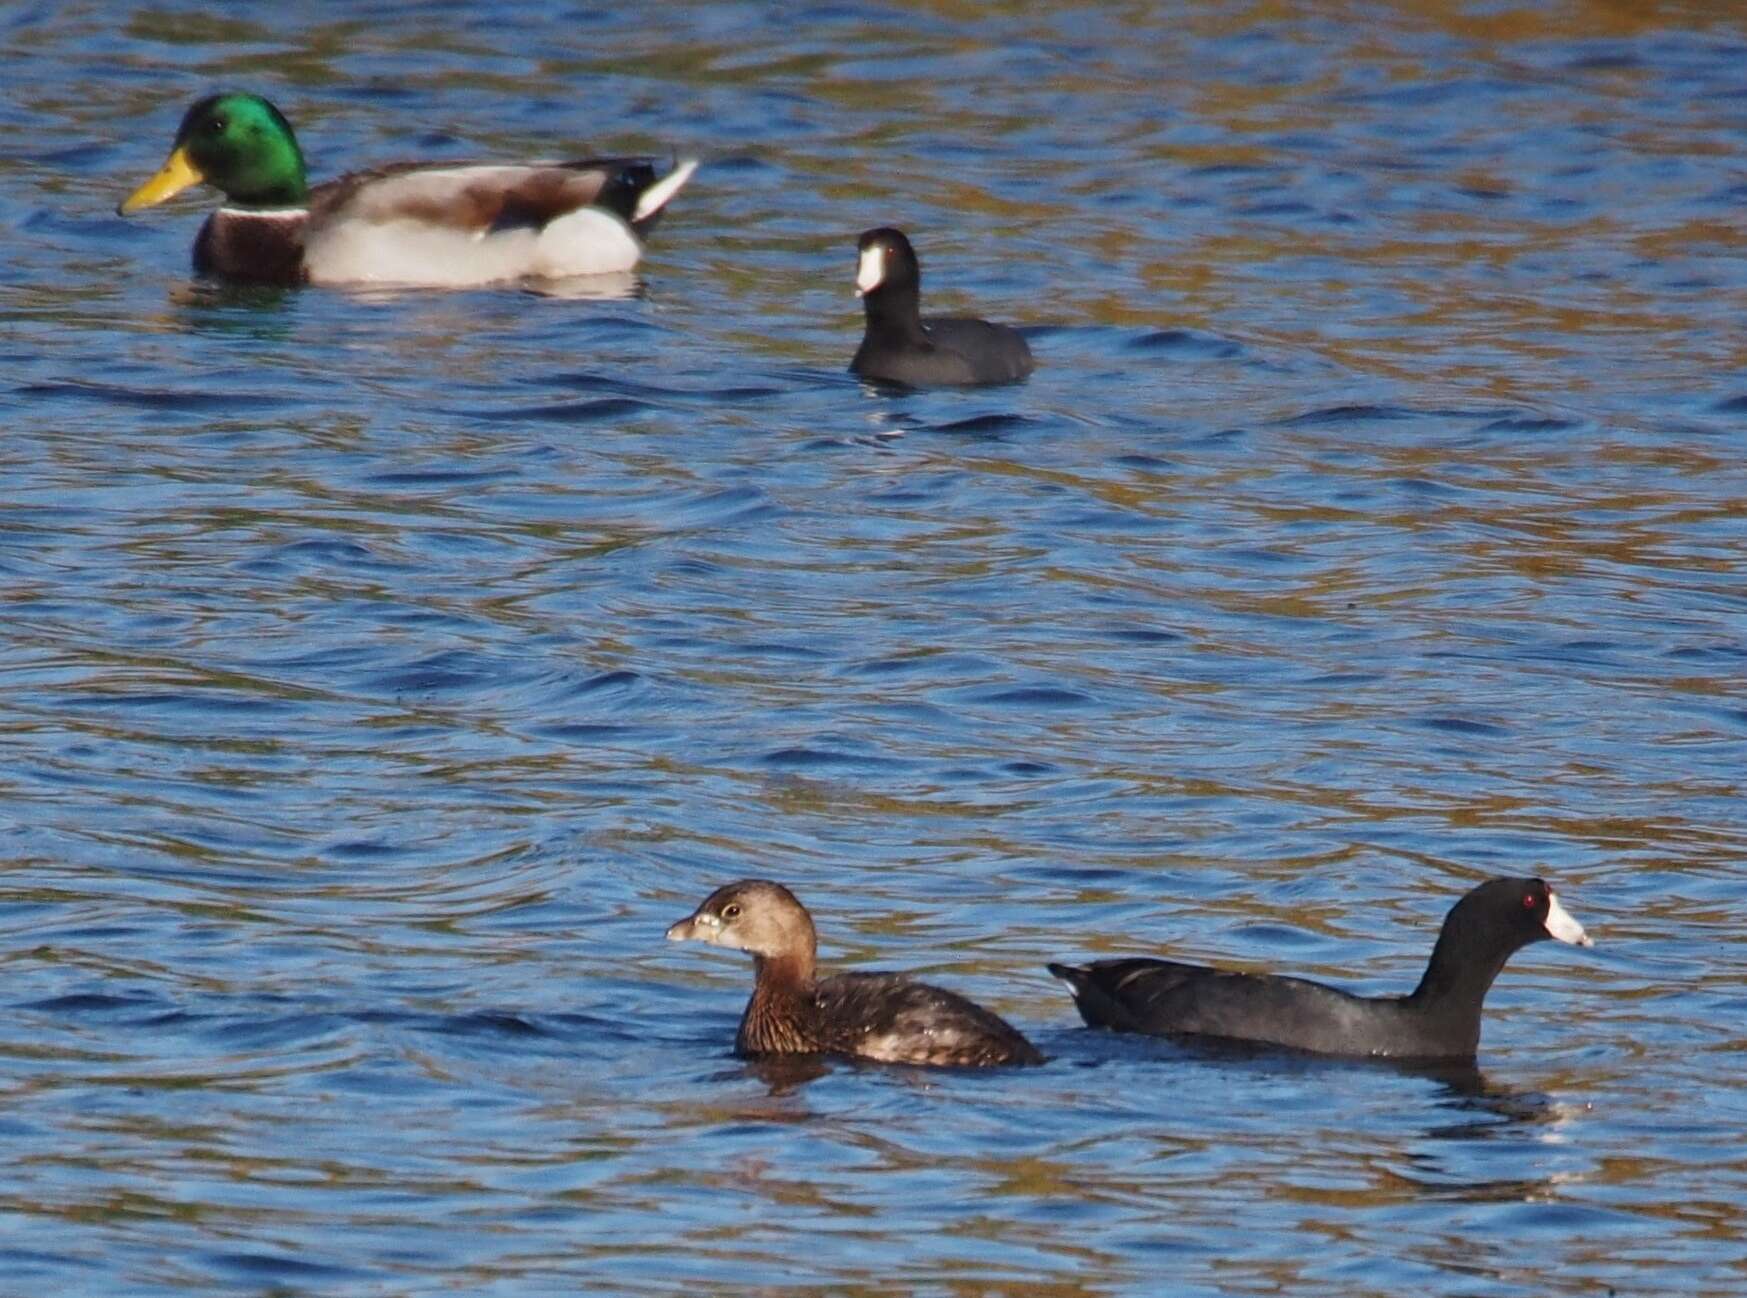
point(901, 347)
point(879, 1016)
point(1440, 1020)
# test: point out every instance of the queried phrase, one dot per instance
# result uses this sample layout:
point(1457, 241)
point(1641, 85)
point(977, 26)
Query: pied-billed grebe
point(901, 347)
point(879, 1016)
point(1440, 1020)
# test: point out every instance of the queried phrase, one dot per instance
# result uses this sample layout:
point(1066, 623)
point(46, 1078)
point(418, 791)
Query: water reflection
point(784, 1074)
point(225, 298)
point(1510, 1165)
point(617, 286)
point(1490, 1108)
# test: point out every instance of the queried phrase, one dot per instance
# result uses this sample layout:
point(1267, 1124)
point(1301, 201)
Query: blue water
point(383, 673)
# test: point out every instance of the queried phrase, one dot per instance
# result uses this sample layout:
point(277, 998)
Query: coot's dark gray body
point(1439, 1020)
point(901, 346)
point(949, 352)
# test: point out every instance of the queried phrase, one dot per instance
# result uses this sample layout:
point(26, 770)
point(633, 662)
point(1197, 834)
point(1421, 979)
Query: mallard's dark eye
point(216, 126)
point(731, 910)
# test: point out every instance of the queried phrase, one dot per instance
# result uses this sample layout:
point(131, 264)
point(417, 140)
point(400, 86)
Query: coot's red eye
point(1528, 901)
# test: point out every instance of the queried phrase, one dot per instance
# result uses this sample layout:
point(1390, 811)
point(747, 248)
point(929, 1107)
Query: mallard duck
point(409, 223)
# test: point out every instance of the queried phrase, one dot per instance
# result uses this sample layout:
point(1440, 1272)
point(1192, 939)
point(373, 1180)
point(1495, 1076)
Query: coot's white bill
point(870, 271)
point(1562, 926)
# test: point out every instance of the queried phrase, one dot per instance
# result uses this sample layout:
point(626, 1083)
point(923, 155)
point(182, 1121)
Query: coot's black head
point(1511, 913)
point(887, 264)
point(752, 915)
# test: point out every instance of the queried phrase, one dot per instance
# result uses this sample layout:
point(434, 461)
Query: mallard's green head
point(237, 143)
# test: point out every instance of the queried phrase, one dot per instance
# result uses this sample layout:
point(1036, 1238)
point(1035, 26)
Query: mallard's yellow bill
point(173, 177)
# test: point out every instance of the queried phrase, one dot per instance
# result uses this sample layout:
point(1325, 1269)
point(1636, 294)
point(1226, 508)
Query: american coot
point(901, 347)
point(436, 224)
point(1440, 1020)
point(879, 1016)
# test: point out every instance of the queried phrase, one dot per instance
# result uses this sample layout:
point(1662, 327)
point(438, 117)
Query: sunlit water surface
point(383, 673)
